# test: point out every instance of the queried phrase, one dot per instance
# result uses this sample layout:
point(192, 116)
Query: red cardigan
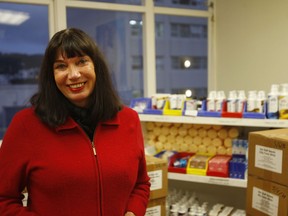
point(61, 173)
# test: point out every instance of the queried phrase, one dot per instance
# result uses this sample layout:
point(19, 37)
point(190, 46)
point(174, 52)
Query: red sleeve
point(13, 170)
point(140, 196)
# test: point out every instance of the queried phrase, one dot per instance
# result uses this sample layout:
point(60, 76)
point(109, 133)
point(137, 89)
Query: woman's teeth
point(76, 85)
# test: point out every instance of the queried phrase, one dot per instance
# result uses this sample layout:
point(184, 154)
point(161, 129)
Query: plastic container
point(220, 98)
point(241, 101)
point(260, 102)
point(211, 101)
point(283, 102)
point(272, 102)
point(231, 101)
point(251, 101)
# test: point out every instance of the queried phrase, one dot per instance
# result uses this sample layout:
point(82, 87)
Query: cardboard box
point(156, 207)
point(266, 198)
point(268, 155)
point(158, 172)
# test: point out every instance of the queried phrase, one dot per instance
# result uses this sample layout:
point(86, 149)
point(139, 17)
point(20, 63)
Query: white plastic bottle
point(211, 101)
point(251, 101)
point(241, 101)
point(283, 102)
point(174, 210)
point(260, 102)
point(231, 101)
point(220, 98)
point(272, 102)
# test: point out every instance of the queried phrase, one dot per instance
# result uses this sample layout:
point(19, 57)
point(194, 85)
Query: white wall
point(251, 44)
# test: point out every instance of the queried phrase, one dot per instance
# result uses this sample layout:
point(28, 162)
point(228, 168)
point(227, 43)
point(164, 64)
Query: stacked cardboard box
point(158, 172)
point(267, 191)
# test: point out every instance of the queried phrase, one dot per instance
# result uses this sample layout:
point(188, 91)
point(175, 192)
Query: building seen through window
point(180, 44)
point(21, 51)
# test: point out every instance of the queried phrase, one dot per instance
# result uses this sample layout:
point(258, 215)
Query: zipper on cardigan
point(93, 147)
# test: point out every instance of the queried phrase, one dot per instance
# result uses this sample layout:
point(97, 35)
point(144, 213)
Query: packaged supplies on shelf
point(140, 104)
point(268, 155)
point(158, 172)
point(165, 155)
point(256, 106)
point(198, 164)
point(218, 165)
point(178, 162)
point(238, 167)
point(204, 112)
point(191, 107)
point(264, 197)
point(229, 114)
point(174, 105)
point(145, 106)
point(240, 147)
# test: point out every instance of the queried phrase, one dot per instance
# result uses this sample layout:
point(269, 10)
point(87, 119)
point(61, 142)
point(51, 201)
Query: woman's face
point(75, 78)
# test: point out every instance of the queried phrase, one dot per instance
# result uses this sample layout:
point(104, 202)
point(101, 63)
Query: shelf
point(208, 180)
point(275, 123)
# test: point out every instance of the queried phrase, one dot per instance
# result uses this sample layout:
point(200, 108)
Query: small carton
point(198, 164)
point(268, 155)
point(218, 165)
point(158, 172)
point(264, 197)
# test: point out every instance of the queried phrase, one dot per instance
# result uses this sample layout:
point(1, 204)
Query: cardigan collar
point(70, 123)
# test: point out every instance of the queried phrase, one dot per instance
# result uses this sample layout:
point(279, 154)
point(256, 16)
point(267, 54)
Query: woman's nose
point(73, 72)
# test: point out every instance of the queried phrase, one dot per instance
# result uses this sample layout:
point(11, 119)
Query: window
point(184, 55)
point(181, 45)
point(188, 62)
point(188, 30)
point(137, 62)
point(21, 52)
point(135, 27)
point(118, 40)
point(132, 2)
point(159, 29)
point(191, 4)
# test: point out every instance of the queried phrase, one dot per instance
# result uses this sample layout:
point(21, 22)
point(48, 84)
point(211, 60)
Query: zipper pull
point(94, 149)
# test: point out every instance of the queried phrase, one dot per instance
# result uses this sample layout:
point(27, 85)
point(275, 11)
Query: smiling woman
point(65, 147)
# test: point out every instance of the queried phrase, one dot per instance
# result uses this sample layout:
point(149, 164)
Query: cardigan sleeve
point(140, 195)
point(13, 171)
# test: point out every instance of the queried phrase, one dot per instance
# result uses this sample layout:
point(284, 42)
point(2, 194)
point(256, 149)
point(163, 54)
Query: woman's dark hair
point(50, 104)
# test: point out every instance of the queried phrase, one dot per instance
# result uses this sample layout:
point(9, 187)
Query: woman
point(77, 150)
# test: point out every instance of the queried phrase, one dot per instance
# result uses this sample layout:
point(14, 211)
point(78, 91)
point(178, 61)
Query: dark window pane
point(132, 2)
point(119, 35)
point(23, 38)
point(187, 4)
point(184, 55)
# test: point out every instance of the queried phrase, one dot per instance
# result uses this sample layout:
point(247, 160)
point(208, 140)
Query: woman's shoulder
point(128, 111)
point(25, 113)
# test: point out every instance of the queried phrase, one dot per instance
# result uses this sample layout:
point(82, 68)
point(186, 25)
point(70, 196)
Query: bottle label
point(272, 104)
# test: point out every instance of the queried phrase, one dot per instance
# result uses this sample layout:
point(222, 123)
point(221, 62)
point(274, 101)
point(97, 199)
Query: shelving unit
point(227, 186)
point(266, 123)
point(208, 180)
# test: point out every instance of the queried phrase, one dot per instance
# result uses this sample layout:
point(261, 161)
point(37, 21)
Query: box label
point(153, 211)
point(268, 158)
point(155, 179)
point(265, 202)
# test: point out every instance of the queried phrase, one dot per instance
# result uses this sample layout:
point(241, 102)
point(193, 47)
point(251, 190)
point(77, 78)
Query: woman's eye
point(60, 66)
point(82, 61)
